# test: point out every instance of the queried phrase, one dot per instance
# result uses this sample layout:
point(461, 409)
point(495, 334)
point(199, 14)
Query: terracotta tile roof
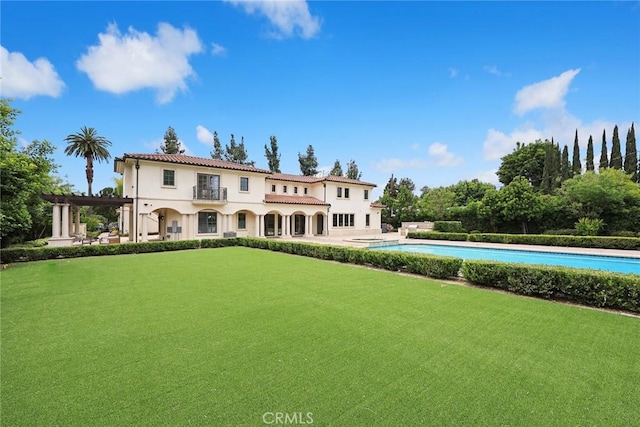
point(377, 205)
point(314, 179)
point(193, 161)
point(293, 200)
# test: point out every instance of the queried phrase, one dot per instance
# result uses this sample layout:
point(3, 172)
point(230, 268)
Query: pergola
point(62, 209)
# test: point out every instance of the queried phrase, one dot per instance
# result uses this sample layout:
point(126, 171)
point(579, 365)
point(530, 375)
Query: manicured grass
point(222, 336)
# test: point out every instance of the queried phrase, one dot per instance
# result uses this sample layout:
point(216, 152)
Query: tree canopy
point(272, 154)
point(336, 170)
point(308, 162)
point(354, 173)
point(171, 144)
point(88, 144)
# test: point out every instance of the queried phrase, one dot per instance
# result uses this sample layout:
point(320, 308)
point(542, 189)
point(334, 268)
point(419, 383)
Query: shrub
point(588, 287)
point(604, 242)
point(589, 226)
point(436, 235)
point(562, 232)
point(448, 226)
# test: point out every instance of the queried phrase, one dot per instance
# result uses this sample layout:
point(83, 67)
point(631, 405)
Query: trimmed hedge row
point(593, 288)
point(437, 235)
point(448, 226)
point(601, 242)
point(438, 267)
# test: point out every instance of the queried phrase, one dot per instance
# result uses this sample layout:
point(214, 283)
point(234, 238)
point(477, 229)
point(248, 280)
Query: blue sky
point(433, 91)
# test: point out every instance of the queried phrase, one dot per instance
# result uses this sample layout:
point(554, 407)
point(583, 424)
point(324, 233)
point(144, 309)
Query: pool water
point(596, 262)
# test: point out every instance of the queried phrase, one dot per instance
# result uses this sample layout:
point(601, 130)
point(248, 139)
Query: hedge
point(588, 287)
point(448, 226)
point(601, 242)
point(437, 235)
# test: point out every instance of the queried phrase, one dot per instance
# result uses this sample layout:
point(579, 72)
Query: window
point(273, 188)
point(242, 221)
point(367, 219)
point(343, 220)
point(207, 222)
point(306, 190)
point(295, 190)
point(339, 192)
point(168, 178)
point(244, 183)
point(366, 194)
point(346, 193)
point(284, 189)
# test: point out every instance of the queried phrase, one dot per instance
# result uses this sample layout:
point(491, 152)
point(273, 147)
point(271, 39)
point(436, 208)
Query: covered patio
point(66, 214)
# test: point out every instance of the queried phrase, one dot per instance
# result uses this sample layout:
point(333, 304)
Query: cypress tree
point(631, 155)
point(565, 166)
point(217, 152)
point(577, 166)
point(272, 155)
point(556, 176)
point(590, 165)
point(616, 155)
point(604, 159)
point(546, 186)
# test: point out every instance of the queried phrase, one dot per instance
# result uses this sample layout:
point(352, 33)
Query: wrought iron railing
point(209, 193)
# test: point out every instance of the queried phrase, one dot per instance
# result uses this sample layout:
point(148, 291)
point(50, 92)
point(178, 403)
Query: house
point(185, 197)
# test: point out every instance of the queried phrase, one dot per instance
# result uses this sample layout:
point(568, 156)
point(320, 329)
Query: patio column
point(65, 220)
point(309, 220)
point(185, 226)
point(55, 226)
point(76, 225)
point(144, 219)
point(285, 225)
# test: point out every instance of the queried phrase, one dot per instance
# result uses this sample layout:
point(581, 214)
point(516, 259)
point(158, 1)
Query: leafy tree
point(217, 152)
point(549, 173)
point(604, 158)
point(609, 195)
point(565, 166)
point(466, 192)
point(436, 202)
point(590, 165)
point(526, 160)
point(171, 145)
point(237, 153)
point(392, 186)
point(631, 155)
point(353, 172)
point(272, 155)
point(616, 156)
point(88, 144)
point(576, 164)
point(407, 183)
point(519, 202)
point(336, 170)
point(308, 162)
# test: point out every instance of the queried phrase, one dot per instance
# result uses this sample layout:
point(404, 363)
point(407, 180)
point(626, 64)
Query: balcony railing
point(210, 194)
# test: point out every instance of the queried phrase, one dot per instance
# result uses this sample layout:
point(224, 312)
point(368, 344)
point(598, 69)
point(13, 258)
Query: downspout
point(137, 214)
point(324, 186)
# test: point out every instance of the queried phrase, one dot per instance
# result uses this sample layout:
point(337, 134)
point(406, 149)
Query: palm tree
point(88, 144)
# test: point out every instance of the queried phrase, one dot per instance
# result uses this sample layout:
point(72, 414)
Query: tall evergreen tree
point(308, 162)
point(604, 158)
point(590, 165)
point(616, 153)
point(546, 185)
point(353, 172)
point(272, 154)
point(576, 164)
point(237, 153)
point(557, 161)
point(217, 152)
point(171, 145)
point(565, 166)
point(337, 169)
point(631, 155)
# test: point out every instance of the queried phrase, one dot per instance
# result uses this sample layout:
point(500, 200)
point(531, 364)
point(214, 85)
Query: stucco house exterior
point(185, 197)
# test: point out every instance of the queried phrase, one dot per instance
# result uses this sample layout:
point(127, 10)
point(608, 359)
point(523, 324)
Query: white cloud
point(453, 72)
point(218, 50)
point(493, 69)
point(204, 135)
point(289, 17)
point(497, 143)
point(443, 158)
point(489, 176)
point(154, 146)
point(24, 79)
point(394, 164)
point(123, 63)
point(545, 94)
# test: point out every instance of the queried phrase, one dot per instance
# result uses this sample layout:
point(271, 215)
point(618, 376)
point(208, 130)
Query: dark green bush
point(436, 235)
point(588, 287)
point(562, 232)
point(603, 242)
point(448, 226)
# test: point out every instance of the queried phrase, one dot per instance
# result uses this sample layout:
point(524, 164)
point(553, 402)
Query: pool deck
point(395, 238)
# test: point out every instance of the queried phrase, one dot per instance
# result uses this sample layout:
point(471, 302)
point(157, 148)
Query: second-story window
point(284, 189)
point(339, 192)
point(273, 188)
point(168, 178)
point(295, 190)
point(346, 193)
point(366, 194)
point(306, 191)
point(244, 183)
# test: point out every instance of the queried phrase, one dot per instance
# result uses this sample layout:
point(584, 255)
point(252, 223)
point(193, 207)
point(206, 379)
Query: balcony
point(209, 195)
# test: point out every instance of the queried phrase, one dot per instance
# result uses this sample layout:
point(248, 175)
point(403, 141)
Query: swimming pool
point(597, 262)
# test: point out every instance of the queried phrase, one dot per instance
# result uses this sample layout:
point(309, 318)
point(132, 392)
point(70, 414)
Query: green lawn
point(223, 336)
